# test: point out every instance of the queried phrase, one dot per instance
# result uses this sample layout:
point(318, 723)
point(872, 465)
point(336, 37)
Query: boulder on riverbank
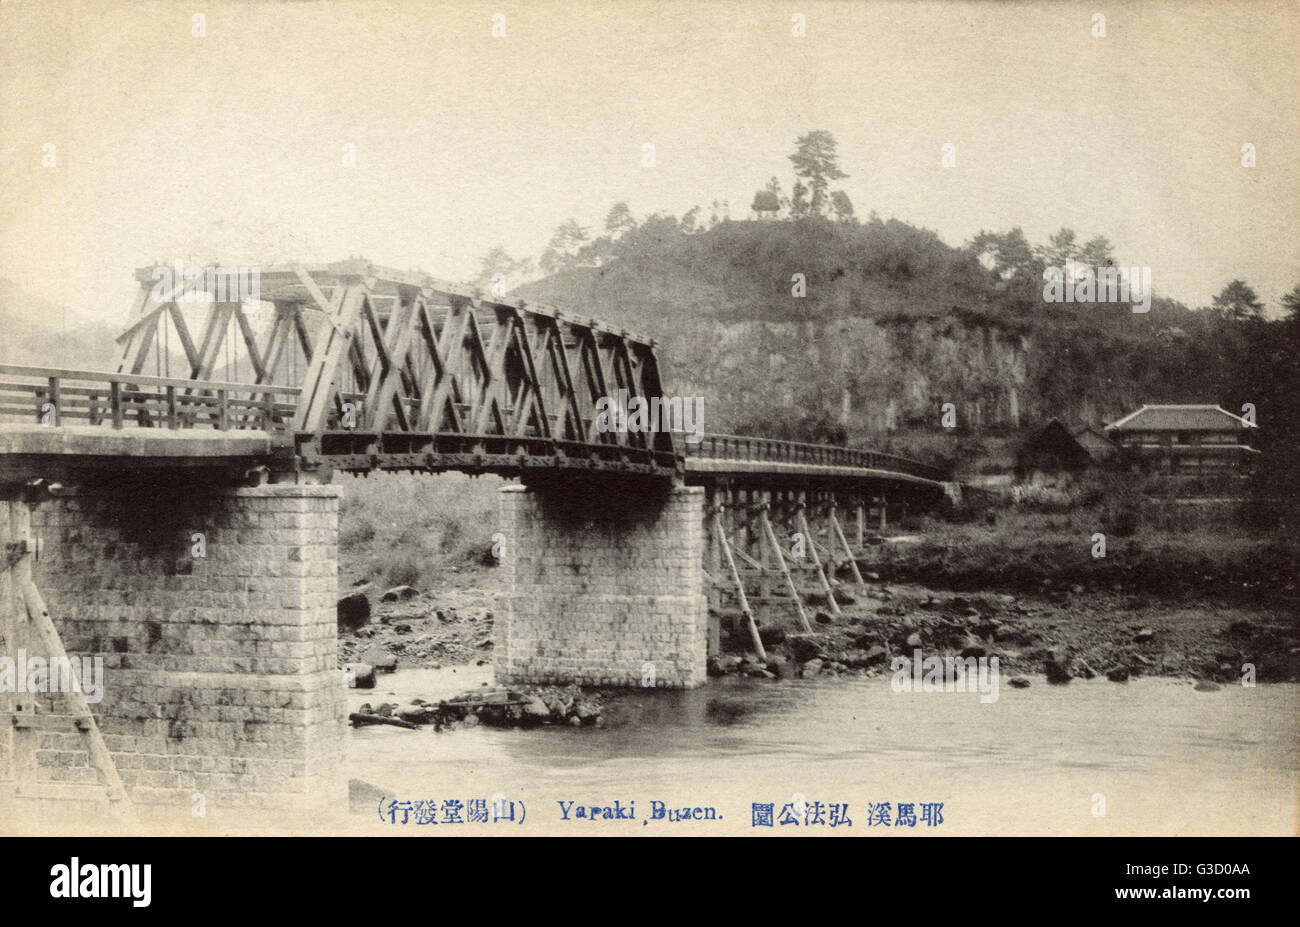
point(380, 659)
point(495, 706)
point(363, 676)
point(353, 612)
point(1056, 667)
point(400, 594)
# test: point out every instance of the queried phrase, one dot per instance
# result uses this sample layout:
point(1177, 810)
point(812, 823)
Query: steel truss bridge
point(354, 367)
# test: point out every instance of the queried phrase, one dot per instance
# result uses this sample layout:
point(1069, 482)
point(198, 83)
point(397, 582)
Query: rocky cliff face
point(892, 326)
point(866, 374)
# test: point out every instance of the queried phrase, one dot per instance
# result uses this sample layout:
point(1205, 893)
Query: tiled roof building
point(1185, 439)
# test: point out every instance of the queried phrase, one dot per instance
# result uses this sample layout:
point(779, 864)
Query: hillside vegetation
point(895, 319)
point(805, 322)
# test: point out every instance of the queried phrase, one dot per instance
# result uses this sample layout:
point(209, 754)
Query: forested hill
point(893, 323)
point(817, 326)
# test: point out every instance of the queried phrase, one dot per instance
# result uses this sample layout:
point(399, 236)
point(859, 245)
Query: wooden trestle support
point(772, 547)
point(27, 629)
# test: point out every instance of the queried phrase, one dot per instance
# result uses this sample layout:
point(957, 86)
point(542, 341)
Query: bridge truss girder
point(399, 370)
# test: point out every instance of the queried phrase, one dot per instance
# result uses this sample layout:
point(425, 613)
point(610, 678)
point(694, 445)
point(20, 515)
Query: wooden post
point(817, 560)
point(730, 521)
point(172, 421)
point(55, 397)
point(860, 511)
point(714, 554)
point(115, 401)
point(9, 647)
point(82, 717)
point(26, 622)
point(223, 411)
point(883, 503)
point(782, 510)
point(780, 562)
point(20, 574)
point(268, 411)
point(844, 542)
point(829, 550)
point(739, 501)
point(740, 589)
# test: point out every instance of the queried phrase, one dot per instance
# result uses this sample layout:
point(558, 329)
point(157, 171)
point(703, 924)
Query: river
point(1152, 756)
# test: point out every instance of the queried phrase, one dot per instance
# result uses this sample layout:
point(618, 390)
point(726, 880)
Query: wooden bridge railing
point(57, 397)
point(745, 447)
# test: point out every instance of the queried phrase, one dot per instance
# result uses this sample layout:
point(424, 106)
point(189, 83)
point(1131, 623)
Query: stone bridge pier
point(604, 585)
point(213, 610)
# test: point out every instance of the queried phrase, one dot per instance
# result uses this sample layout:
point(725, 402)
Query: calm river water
point(1163, 758)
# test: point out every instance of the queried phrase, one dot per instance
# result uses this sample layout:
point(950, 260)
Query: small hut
point(1055, 454)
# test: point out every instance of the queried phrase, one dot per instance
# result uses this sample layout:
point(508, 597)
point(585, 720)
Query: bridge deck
point(703, 470)
point(748, 455)
point(93, 441)
point(69, 451)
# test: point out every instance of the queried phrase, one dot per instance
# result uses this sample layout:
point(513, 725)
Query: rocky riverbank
point(1066, 634)
point(379, 632)
point(402, 626)
point(1061, 633)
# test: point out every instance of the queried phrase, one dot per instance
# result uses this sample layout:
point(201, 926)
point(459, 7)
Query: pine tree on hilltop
point(619, 220)
point(1239, 302)
point(816, 161)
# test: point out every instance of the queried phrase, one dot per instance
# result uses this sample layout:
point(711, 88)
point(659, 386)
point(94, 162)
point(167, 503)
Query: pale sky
point(231, 145)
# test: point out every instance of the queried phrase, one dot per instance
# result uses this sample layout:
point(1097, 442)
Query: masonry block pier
point(213, 610)
point(603, 588)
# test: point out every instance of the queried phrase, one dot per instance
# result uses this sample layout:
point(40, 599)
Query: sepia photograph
point(687, 418)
